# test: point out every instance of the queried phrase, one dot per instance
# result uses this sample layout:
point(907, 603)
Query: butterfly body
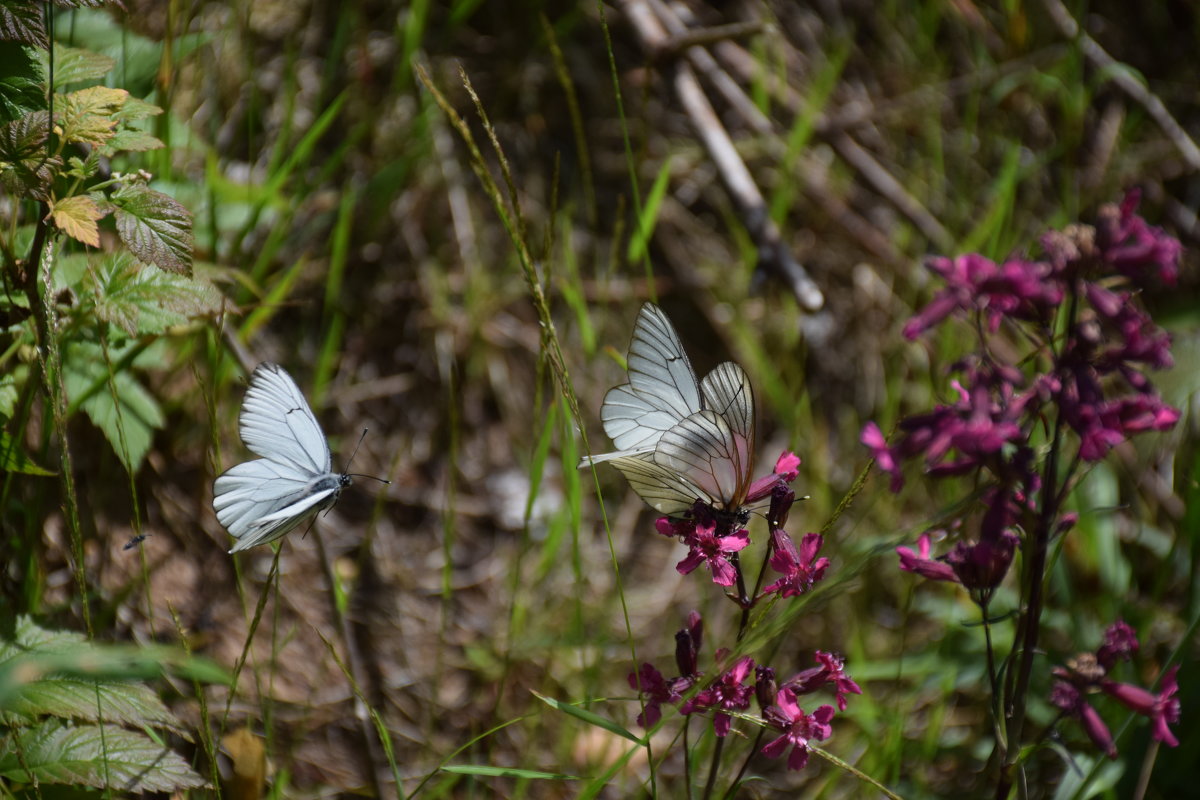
point(261, 500)
point(680, 441)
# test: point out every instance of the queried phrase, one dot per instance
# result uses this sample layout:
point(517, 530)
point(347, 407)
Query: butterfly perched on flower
point(679, 440)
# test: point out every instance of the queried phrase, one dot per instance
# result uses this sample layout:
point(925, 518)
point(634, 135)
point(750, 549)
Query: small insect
point(135, 541)
point(259, 501)
point(679, 441)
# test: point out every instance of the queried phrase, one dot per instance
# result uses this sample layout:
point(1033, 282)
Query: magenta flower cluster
point(1074, 364)
point(715, 539)
point(732, 692)
point(1057, 378)
point(1088, 673)
point(1091, 377)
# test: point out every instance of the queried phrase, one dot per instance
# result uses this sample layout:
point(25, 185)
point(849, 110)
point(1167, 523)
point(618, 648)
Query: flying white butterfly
point(259, 501)
point(679, 441)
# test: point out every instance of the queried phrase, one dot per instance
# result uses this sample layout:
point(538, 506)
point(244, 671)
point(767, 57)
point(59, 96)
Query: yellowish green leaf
point(89, 115)
point(76, 217)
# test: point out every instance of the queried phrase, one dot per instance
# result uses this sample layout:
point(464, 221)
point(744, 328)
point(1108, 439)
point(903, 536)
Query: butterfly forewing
point(727, 391)
point(662, 388)
point(276, 422)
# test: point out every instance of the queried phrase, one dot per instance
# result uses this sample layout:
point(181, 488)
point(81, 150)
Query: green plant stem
point(737, 779)
point(50, 363)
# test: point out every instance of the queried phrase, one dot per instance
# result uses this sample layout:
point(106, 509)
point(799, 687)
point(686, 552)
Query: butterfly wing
point(709, 455)
point(277, 424)
point(261, 500)
point(727, 391)
point(665, 490)
point(662, 388)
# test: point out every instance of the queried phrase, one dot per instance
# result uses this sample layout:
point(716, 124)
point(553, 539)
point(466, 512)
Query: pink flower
point(728, 692)
point(831, 670)
point(708, 548)
point(798, 728)
point(1162, 709)
point(800, 567)
point(921, 564)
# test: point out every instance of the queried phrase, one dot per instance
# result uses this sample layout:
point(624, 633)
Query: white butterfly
point(259, 501)
point(679, 441)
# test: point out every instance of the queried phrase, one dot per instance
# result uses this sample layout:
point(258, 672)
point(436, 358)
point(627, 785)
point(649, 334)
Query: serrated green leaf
point(101, 756)
point(133, 141)
point(13, 458)
point(25, 167)
point(89, 115)
point(20, 80)
point(140, 300)
point(73, 65)
point(21, 22)
point(156, 227)
point(136, 109)
point(76, 217)
point(129, 421)
point(125, 703)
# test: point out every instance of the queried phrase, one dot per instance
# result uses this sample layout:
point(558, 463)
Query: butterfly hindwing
point(709, 455)
point(663, 488)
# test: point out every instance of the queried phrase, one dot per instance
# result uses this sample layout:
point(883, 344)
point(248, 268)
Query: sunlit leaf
point(13, 458)
point(76, 217)
point(102, 756)
point(89, 115)
point(155, 227)
point(139, 300)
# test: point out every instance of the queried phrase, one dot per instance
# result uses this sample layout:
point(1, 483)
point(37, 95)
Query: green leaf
point(588, 717)
point(135, 110)
point(21, 22)
point(156, 227)
point(132, 140)
point(25, 167)
point(20, 82)
point(73, 65)
point(507, 772)
point(126, 703)
point(14, 459)
point(129, 420)
point(140, 300)
point(38, 668)
point(101, 756)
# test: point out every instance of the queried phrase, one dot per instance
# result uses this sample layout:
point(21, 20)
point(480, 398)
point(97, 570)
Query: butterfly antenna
point(351, 461)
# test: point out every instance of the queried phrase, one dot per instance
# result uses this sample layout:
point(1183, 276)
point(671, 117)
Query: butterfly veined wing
point(276, 422)
point(662, 487)
point(727, 391)
point(709, 455)
point(259, 501)
point(662, 388)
